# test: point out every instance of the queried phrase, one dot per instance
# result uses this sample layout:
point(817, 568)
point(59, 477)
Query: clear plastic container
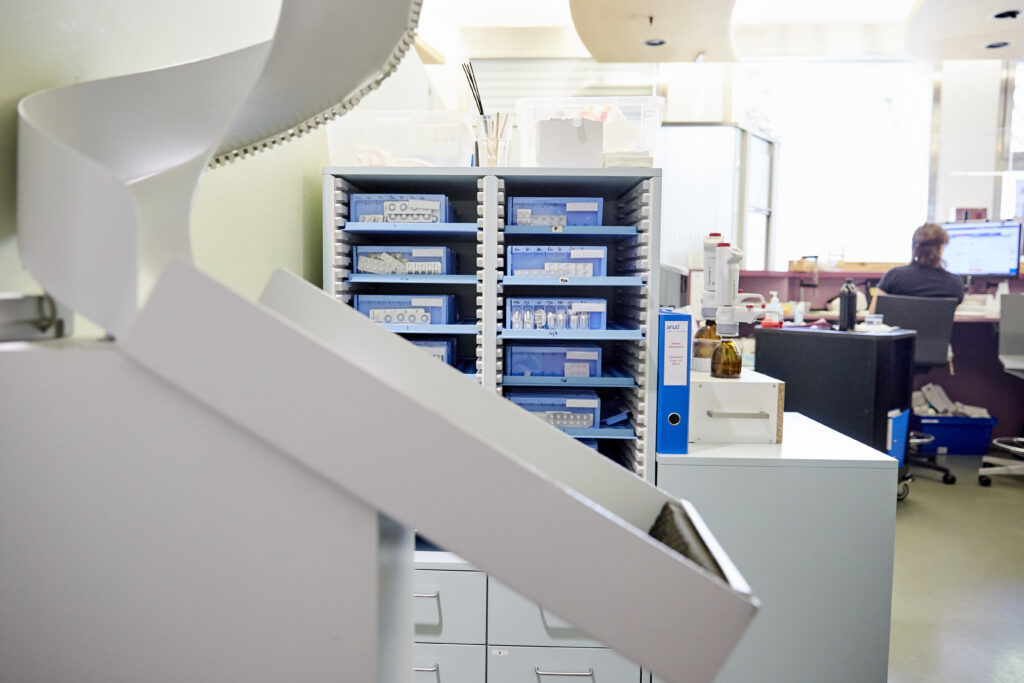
point(402, 138)
point(629, 125)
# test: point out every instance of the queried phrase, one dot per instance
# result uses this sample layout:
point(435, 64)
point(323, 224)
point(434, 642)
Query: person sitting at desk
point(924, 275)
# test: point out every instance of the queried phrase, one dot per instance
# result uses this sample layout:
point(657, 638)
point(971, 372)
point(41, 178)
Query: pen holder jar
point(492, 139)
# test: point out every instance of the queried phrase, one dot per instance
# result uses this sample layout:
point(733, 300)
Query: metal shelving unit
point(629, 230)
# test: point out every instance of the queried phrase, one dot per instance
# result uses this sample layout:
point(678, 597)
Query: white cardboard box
point(747, 409)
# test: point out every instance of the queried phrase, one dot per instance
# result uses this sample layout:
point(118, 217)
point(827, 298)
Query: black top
point(919, 280)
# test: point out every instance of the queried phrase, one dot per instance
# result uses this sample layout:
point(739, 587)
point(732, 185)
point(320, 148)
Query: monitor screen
point(983, 248)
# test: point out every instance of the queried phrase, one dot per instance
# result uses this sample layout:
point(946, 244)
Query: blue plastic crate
point(556, 314)
point(401, 309)
point(555, 210)
point(539, 360)
point(385, 260)
point(567, 409)
point(954, 435)
point(441, 349)
point(557, 261)
point(399, 208)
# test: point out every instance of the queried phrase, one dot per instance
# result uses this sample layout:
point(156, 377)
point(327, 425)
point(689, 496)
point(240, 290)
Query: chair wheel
point(984, 481)
point(948, 479)
point(902, 491)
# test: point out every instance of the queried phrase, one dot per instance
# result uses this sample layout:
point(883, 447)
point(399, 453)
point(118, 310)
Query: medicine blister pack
point(441, 349)
point(399, 208)
point(567, 409)
point(557, 261)
point(556, 314)
point(555, 211)
point(388, 260)
point(541, 360)
point(400, 309)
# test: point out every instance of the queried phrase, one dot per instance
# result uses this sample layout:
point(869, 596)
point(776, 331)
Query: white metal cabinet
point(449, 606)
point(437, 663)
point(811, 521)
point(514, 620)
point(554, 664)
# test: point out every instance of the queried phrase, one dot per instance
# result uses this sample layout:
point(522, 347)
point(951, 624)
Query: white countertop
point(805, 443)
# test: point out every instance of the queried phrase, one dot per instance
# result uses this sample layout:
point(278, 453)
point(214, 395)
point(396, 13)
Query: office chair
point(932, 319)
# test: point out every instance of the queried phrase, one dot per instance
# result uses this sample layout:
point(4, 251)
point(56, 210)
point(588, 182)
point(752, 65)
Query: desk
point(848, 381)
point(810, 523)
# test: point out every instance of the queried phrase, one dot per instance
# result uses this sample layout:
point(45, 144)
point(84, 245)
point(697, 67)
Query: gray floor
point(958, 585)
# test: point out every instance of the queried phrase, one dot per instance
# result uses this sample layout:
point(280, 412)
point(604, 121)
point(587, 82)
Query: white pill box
point(541, 360)
point(566, 409)
point(555, 211)
point(556, 314)
point(557, 261)
point(399, 208)
point(400, 309)
point(388, 260)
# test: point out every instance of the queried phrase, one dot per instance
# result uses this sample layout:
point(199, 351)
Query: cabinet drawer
point(515, 620)
point(437, 663)
point(556, 664)
point(450, 606)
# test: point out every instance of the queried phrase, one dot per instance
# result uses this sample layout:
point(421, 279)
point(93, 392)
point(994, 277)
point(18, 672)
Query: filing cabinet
point(470, 627)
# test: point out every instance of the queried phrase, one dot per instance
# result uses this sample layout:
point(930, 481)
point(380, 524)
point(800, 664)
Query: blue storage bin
point(954, 435)
point(555, 210)
point(567, 409)
point(401, 309)
point(557, 261)
point(399, 208)
point(441, 349)
point(384, 260)
point(538, 360)
point(589, 443)
point(556, 314)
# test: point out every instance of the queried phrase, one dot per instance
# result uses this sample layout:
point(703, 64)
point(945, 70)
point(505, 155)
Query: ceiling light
point(1008, 14)
point(996, 45)
point(654, 42)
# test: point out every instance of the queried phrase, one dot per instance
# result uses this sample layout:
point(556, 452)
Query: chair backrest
point(931, 318)
point(1011, 324)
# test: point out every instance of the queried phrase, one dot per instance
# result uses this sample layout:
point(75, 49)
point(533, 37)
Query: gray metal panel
point(450, 606)
point(454, 663)
point(592, 665)
point(515, 620)
point(1011, 324)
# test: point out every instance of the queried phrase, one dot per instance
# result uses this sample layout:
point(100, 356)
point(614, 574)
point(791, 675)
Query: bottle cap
point(723, 244)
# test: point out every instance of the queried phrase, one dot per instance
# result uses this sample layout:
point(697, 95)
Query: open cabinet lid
point(413, 438)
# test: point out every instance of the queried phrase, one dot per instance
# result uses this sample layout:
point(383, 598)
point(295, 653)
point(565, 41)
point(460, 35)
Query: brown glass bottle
point(726, 360)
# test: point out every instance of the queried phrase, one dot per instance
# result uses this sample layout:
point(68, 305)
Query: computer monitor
point(984, 248)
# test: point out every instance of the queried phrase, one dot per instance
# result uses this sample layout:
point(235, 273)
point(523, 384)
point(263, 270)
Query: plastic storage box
point(381, 260)
point(401, 138)
point(555, 210)
point(629, 125)
point(399, 208)
point(441, 349)
point(574, 409)
point(556, 314)
point(954, 435)
point(557, 261)
point(538, 360)
point(401, 309)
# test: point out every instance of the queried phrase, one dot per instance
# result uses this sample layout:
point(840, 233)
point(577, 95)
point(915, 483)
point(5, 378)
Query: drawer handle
point(579, 674)
point(759, 415)
point(426, 670)
point(435, 594)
